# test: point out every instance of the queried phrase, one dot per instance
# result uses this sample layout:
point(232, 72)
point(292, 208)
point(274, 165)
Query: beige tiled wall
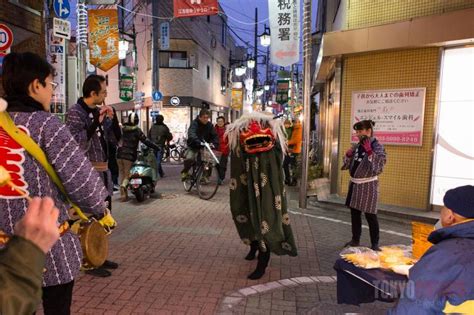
point(365, 13)
point(406, 178)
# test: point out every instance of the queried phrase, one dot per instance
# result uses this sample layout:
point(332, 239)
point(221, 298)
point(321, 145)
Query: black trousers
point(289, 162)
point(223, 166)
point(356, 218)
point(57, 299)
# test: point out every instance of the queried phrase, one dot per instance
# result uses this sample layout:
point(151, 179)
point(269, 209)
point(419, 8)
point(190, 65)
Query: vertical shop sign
point(126, 88)
point(56, 56)
point(165, 35)
point(237, 99)
point(283, 87)
point(398, 114)
point(188, 8)
point(103, 38)
point(285, 31)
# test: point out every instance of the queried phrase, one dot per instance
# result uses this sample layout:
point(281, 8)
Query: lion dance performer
point(257, 195)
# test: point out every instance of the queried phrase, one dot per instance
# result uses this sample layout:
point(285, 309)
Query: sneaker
point(220, 182)
point(109, 265)
point(99, 272)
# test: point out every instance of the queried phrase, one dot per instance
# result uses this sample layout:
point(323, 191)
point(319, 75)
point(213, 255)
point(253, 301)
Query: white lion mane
point(233, 130)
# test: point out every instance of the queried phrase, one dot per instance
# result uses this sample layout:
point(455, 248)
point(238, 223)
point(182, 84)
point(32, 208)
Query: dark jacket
point(160, 133)
point(21, 272)
point(131, 135)
point(198, 132)
point(444, 273)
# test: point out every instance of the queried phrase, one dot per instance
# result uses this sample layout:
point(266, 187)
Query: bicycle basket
point(206, 156)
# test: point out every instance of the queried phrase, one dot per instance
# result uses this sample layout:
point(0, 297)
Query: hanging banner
point(188, 8)
point(103, 38)
point(285, 31)
point(398, 114)
point(237, 99)
point(126, 88)
point(283, 87)
point(56, 56)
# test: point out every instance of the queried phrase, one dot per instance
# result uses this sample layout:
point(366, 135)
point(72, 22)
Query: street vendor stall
point(364, 276)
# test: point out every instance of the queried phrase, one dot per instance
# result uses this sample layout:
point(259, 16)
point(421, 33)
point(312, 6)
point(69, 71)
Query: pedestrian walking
point(28, 84)
point(127, 151)
point(92, 124)
point(294, 150)
point(223, 147)
point(160, 134)
point(365, 161)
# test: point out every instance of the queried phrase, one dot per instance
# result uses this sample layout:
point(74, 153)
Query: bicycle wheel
point(190, 181)
point(207, 181)
point(175, 155)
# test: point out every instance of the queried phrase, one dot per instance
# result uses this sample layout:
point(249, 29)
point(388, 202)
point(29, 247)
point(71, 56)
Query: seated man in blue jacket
point(443, 279)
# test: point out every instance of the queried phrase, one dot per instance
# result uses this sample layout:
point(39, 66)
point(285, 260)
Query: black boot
point(352, 243)
point(253, 251)
point(263, 259)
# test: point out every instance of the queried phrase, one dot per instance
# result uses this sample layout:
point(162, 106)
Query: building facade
point(194, 69)
point(26, 20)
point(378, 47)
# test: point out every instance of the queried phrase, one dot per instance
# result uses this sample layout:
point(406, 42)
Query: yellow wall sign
point(237, 99)
point(420, 233)
point(103, 38)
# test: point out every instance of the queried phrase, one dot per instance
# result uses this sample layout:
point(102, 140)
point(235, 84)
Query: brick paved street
point(179, 254)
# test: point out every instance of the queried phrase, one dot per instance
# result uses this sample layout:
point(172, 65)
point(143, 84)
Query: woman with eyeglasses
point(28, 86)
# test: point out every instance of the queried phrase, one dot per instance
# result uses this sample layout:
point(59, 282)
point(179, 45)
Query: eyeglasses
point(54, 84)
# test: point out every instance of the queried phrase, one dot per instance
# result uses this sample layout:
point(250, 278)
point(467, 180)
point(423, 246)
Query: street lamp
point(265, 37)
point(266, 87)
point(251, 63)
point(123, 49)
point(239, 71)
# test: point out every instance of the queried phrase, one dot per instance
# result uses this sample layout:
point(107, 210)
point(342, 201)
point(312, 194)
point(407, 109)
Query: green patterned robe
point(258, 202)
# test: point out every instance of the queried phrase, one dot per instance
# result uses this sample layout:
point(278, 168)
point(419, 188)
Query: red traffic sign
point(6, 37)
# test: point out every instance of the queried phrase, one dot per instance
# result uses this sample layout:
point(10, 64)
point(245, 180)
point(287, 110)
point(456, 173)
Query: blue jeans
point(159, 169)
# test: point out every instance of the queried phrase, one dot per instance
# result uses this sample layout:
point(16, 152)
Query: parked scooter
point(142, 178)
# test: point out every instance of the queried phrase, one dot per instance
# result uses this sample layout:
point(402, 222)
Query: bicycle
point(178, 152)
point(205, 175)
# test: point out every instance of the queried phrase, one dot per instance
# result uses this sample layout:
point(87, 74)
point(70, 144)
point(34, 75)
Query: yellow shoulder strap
point(34, 150)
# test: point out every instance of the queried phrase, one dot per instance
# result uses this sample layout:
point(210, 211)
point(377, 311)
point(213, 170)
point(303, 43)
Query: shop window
point(224, 33)
point(223, 79)
point(173, 59)
point(150, 57)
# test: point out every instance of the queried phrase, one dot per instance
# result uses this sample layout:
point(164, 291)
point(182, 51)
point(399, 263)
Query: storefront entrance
point(454, 150)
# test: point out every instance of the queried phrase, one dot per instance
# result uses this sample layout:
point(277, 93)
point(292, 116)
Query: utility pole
point(255, 72)
point(155, 74)
point(306, 101)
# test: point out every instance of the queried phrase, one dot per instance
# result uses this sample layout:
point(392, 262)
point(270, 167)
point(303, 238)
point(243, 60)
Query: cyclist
point(201, 129)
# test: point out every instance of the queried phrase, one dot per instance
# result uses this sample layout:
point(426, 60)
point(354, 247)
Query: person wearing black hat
point(365, 161)
point(442, 281)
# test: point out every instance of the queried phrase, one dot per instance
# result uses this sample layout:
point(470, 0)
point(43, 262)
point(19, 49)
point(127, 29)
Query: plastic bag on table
point(362, 257)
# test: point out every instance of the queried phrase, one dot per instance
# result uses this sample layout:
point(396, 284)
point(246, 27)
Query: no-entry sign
point(6, 37)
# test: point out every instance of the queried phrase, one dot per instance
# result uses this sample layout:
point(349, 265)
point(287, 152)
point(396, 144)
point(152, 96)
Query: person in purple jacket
point(93, 124)
point(28, 84)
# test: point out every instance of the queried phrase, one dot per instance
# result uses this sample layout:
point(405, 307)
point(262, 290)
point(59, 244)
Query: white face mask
point(438, 225)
